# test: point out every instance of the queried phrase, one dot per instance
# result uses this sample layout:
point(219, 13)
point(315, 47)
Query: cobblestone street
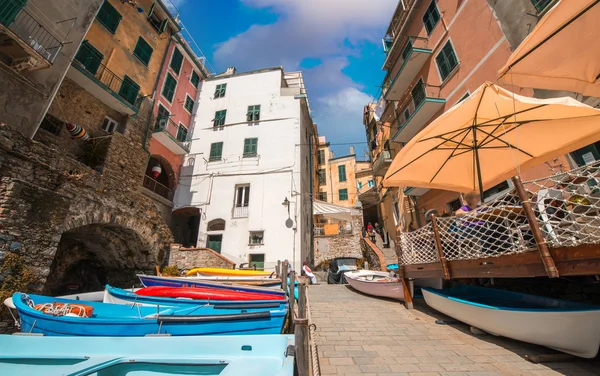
point(362, 335)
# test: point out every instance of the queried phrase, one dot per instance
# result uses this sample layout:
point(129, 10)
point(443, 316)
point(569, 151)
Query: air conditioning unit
point(24, 63)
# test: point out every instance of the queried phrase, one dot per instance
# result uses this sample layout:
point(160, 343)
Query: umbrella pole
point(477, 165)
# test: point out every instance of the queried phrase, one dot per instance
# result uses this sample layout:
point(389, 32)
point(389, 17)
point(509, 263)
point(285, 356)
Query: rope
point(312, 328)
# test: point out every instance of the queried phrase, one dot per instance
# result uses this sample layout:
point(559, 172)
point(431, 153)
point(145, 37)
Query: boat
point(165, 297)
point(230, 272)
point(264, 355)
point(253, 281)
point(115, 320)
point(376, 283)
point(436, 283)
point(573, 328)
point(151, 280)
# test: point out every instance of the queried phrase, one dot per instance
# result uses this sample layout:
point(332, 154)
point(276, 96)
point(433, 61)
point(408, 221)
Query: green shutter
point(216, 151)
point(250, 147)
point(163, 26)
point(89, 57)
point(431, 17)
point(162, 118)
point(219, 118)
point(189, 104)
point(129, 90)
point(143, 51)
point(253, 113)
point(151, 10)
point(182, 133)
point(9, 10)
point(343, 194)
point(176, 60)
point(169, 86)
point(342, 172)
point(220, 91)
point(446, 60)
point(195, 79)
point(109, 17)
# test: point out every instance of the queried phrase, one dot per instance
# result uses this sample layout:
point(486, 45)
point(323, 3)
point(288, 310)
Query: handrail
point(157, 187)
point(418, 93)
point(165, 124)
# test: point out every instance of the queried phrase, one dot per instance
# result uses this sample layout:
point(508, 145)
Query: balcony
point(240, 211)
point(424, 102)
point(381, 164)
point(25, 44)
point(158, 188)
point(412, 57)
point(167, 133)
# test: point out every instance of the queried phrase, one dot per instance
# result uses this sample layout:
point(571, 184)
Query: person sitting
point(308, 272)
point(472, 202)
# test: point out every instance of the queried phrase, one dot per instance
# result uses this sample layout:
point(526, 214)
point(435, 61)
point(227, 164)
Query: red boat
point(201, 293)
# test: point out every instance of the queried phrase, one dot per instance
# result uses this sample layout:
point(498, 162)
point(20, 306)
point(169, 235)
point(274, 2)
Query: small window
point(162, 118)
point(89, 57)
point(407, 50)
point(129, 90)
point(176, 60)
point(431, 17)
point(195, 79)
point(464, 97)
point(257, 238)
point(109, 17)
point(220, 90)
point(371, 183)
point(323, 196)
point(321, 157)
point(216, 151)
point(250, 147)
point(396, 209)
point(182, 133)
point(52, 125)
point(342, 173)
point(242, 196)
point(257, 261)
point(143, 51)
point(109, 125)
point(322, 176)
point(189, 104)
point(446, 60)
point(253, 113)
point(219, 119)
point(343, 194)
point(169, 86)
point(540, 5)
point(159, 25)
point(360, 185)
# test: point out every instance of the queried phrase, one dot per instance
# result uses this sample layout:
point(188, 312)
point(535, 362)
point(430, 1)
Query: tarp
point(334, 211)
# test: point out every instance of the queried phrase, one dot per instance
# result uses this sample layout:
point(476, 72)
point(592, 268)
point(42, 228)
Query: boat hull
point(570, 331)
point(392, 290)
point(229, 272)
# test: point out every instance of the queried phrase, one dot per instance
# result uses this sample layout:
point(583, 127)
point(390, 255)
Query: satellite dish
point(289, 223)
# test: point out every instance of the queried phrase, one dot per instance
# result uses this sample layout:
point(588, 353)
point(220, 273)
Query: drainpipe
point(311, 192)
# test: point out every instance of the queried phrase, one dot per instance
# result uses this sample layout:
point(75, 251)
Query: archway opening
point(89, 257)
point(160, 177)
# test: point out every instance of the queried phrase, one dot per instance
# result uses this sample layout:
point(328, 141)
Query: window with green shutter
point(250, 147)
point(129, 90)
point(162, 118)
point(446, 60)
point(89, 57)
point(343, 194)
point(216, 151)
point(322, 177)
point(195, 79)
point(169, 86)
point(176, 60)
point(220, 90)
point(342, 172)
point(159, 25)
point(323, 196)
point(540, 5)
point(431, 17)
point(109, 17)
point(253, 113)
point(182, 133)
point(219, 118)
point(143, 51)
point(189, 104)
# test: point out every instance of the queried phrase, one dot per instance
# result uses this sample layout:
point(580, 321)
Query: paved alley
point(361, 335)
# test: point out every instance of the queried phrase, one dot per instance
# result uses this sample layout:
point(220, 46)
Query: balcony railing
point(411, 56)
point(170, 129)
point(240, 211)
point(16, 16)
point(384, 159)
point(158, 188)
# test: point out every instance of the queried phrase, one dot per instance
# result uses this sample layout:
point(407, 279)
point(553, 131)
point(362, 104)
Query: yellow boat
point(229, 272)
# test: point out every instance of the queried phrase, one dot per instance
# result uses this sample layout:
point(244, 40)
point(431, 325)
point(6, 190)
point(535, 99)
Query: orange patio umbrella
point(562, 51)
point(488, 137)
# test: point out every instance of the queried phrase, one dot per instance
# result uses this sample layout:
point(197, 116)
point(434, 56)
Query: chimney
point(351, 150)
point(230, 71)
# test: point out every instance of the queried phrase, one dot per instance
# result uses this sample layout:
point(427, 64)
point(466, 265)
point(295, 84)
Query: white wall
point(279, 171)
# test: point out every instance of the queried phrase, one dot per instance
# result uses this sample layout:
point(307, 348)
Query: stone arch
point(216, 225)
point(167, 177)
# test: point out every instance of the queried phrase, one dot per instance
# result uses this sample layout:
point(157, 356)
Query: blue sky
point(336, 43)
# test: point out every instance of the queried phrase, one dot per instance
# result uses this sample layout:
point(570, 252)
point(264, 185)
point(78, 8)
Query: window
point(407, 50)
point(195, 79)
point(109, 17)
point(143, 51)
point(242, 195)
point(540, 5)
point(360, 185)
point(418, 93)
point(253, 113)
point(176, 60)
point(162, 118)
point(129, 90)
point(182, 133)
point(396, 209)
point(257, 238)
point(371, 183)
point(321, 157)
point(220, 90)
point(431, 17)
point(89, 57)
point(109, 125)
point(169, 86)
point(342, 173)
point(189, 104)
point(216, 151)
point(219, 119)
point(322, 177)
point(464, 97)
point(323, 196)
point(454, 205)
point(343, 194)
point(250, 147)
point(159, 25)
point(257, 261)
point(51, 124)
point(446, 60)
point(496, 190)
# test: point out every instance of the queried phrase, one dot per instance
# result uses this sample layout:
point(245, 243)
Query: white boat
point(570, 327)
point(372, 282)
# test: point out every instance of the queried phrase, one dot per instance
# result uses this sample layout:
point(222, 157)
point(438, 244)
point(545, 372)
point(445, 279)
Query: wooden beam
point(438, 246)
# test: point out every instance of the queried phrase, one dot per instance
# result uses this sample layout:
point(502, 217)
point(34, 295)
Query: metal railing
point(15, 16)
point(240, 211)
point(168, 126)
point(158, 188)
point(400, 50)
point(413, 101)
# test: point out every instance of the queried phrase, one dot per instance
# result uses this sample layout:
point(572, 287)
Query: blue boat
point(152, 280)
point(115, 320)
point(115, 295)
point(392, 267)
point(267, 355)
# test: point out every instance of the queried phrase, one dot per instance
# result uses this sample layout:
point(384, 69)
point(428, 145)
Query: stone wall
point(189, 258)
point(334, 246)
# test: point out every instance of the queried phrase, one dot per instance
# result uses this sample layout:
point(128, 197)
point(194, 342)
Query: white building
point(249, 167)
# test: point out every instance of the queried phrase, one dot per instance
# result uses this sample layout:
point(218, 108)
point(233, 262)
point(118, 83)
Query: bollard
point(301, 334)
point(291, 297)
point(284, 272)
point(278, 268)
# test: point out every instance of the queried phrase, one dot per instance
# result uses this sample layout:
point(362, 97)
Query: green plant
point(170, 270)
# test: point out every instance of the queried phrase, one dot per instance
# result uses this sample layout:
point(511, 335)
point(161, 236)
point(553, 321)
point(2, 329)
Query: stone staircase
point(388, 253)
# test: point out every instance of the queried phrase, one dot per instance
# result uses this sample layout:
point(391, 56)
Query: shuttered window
point(195, 79)
point(446, 60)
point(250, 147)
point(322, 177)
point(168, 90)
point(431, 17)
point(216, 151)
point(143, 51)
point(89, 57)
point(343, 194)
point(253, 113)
point(220, 91)
point(176, 60)
point(182, 133)
point(219, 118)
point(109, 17)
point(129, 90)
point(189, 104)
point(342, 172)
